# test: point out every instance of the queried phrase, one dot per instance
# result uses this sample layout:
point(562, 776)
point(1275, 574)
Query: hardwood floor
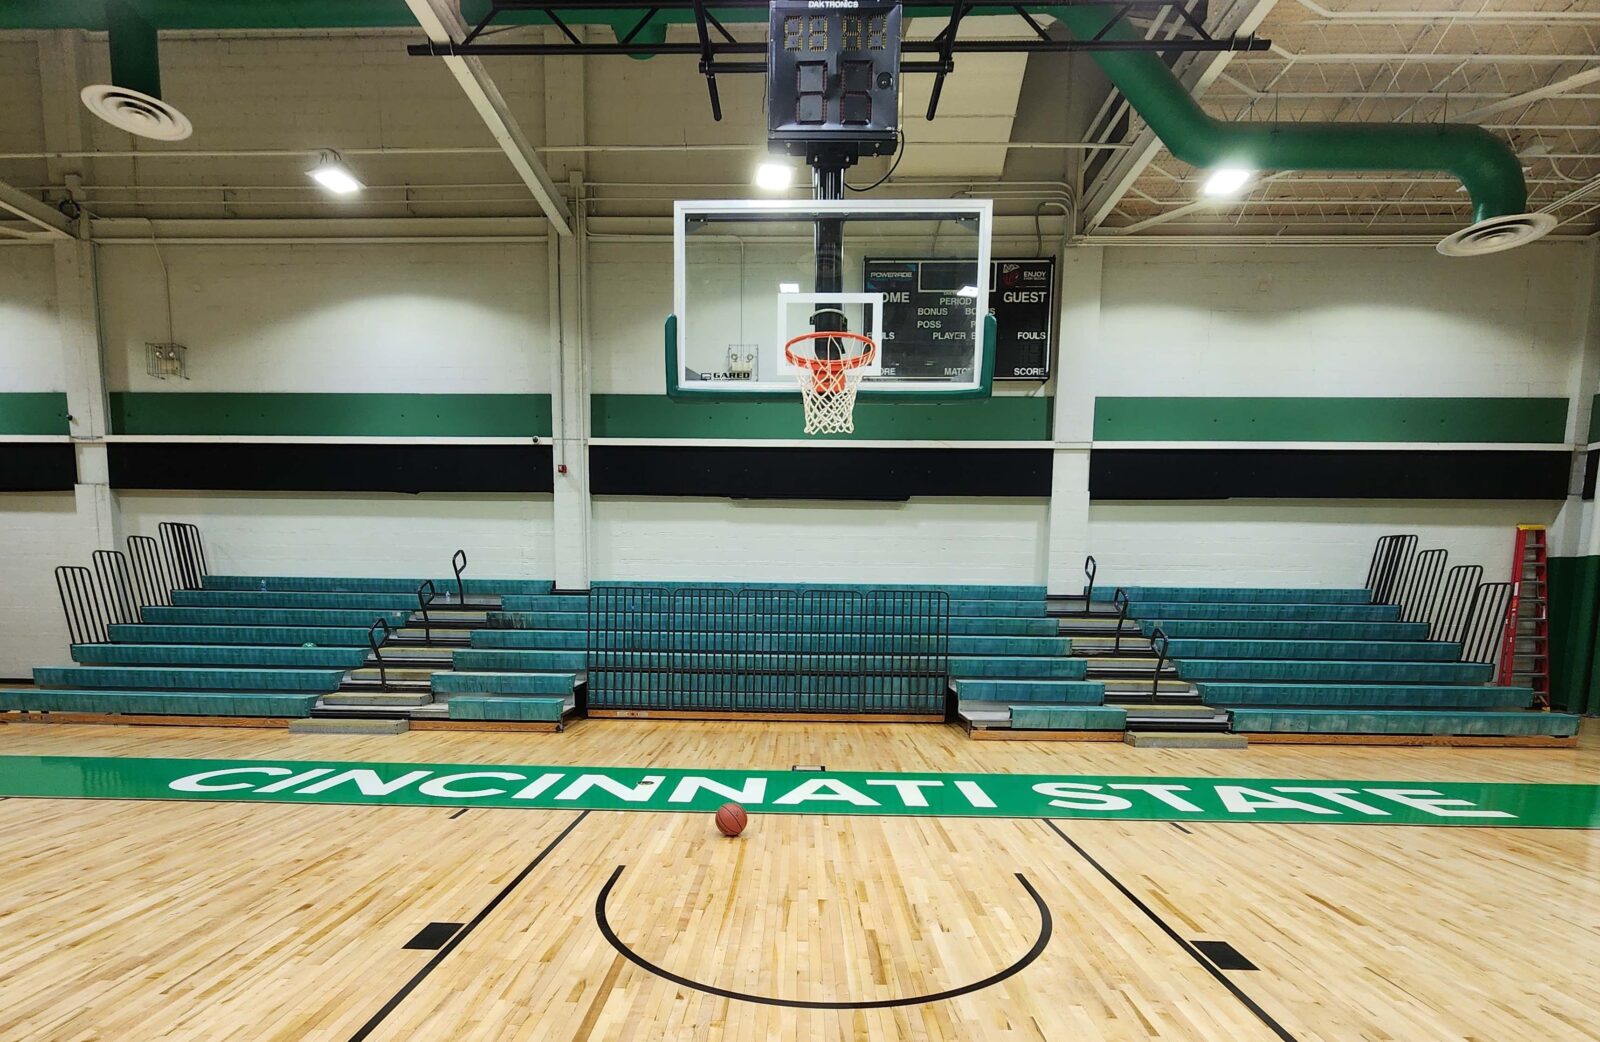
point(739, 744)
point(226, 921)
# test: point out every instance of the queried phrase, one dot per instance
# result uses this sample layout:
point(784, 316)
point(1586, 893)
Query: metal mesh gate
point(768, 650)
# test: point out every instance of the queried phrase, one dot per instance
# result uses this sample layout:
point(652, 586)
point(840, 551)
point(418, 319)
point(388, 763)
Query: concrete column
point(1079, 338)
point(570, 400)
point(565, 123)
point(1575, 533)
point(61, 60)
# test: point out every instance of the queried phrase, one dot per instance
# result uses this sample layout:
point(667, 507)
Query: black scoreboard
point(833, 75)
point(927, 323)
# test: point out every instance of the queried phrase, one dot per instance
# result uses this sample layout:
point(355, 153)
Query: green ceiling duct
point(1483, 163)
point(132, 100)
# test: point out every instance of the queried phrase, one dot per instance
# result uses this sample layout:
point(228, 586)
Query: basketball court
point(283, 921)
point(809, 519)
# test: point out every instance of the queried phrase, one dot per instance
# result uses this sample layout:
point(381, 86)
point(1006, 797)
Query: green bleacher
point(1330, 662)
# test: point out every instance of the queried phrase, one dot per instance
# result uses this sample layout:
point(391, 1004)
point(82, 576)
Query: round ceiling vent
point(1496, 234)
point(135, 112)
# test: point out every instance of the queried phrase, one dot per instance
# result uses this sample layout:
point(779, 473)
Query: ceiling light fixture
point(331, 173)
point(1226, 181)
point(774, 177)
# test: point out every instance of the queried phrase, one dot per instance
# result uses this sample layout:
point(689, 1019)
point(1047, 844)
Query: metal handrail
point(82, 604)
point(186, 555)
point(152, 584)
point(1480, 641)
point(458, 561)
point(422, 606)
point(1158, 644)
point(1120, 600)
point(1089, 570)
point(1390, 557)
point(111, 569)
point(379, 623)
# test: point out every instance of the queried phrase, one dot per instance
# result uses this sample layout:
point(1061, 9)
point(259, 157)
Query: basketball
point(731, 819)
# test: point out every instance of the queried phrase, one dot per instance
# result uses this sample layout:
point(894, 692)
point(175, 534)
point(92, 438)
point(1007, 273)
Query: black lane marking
point(460, 812)
point(461, 935)
point(1046, 926)
point(1225, 955)
point(1249, 1003)
point(432, 937)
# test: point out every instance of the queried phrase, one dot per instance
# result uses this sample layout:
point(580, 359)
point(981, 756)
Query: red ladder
point(1525, 647)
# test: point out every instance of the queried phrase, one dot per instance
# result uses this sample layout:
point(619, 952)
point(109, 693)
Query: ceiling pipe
point(1482, 162)
point(1485, 165)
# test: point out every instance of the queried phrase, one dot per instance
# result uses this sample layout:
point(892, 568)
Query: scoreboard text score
point(833, 75)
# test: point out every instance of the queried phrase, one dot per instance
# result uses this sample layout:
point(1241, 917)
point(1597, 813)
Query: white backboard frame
point(981, 210)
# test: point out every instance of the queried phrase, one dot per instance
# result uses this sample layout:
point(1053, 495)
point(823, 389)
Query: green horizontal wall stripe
point(1589, 427)
point(33, 412)
point(1002, 418)
point(332, 415)
point(1574, 653)
point(1331, 419)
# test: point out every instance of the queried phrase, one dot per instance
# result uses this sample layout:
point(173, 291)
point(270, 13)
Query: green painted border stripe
point(332, 415)
point(968, 794)
point(1000, 418)
point(1589, 425)
point(1495, 420)
point(33, 412)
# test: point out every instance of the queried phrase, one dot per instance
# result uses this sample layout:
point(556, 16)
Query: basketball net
point(828, 385)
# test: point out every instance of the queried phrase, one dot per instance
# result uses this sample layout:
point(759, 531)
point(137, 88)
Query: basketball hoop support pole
point(828, 165)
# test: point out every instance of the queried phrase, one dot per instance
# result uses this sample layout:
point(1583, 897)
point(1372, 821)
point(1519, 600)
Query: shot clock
point(833, 76)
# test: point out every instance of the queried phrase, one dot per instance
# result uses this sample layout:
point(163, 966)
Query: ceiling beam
point(1197, 72)
point(42, 215)
point(441, 20)
point(1550, 90)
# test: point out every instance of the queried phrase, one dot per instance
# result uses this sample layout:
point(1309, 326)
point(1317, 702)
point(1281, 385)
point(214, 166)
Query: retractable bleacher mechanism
point(707, 649)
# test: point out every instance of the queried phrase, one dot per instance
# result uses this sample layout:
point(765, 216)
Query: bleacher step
point(1185, 740)
point(351, 725)
point(391, 697)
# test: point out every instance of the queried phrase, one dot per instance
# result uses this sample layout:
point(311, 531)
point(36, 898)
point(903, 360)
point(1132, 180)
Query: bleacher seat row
point(1328, 661)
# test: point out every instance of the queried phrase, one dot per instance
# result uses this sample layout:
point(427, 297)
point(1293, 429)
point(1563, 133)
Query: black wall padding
point(1591, 464)
point(1326, 474)
point(256, 467)
point(37, 467)
point(791, 473)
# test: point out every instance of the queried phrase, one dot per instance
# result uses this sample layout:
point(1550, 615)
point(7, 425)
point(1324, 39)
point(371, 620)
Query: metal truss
point(720, 53)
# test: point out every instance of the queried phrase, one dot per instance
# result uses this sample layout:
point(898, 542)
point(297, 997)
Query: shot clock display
point(833, 75)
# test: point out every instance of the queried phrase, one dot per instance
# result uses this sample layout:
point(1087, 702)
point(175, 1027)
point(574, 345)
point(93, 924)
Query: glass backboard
point(750, 275)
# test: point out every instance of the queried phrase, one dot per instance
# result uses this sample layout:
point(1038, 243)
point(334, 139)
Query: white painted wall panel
point(30, 341)
point(1292, 543)
point(403, 318)
point(1336, 321)
point(37, 532)
point(505, 536)
point(920, 541)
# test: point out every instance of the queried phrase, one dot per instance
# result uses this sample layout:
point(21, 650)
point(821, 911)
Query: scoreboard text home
point(927, 317)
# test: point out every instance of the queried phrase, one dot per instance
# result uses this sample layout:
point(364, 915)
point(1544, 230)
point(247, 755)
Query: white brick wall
point(1400, 321)
point(921, 541)
point(505, 536)
point(30, 343)
point(37, 532)
point(404, 318)
point(1295, 543)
